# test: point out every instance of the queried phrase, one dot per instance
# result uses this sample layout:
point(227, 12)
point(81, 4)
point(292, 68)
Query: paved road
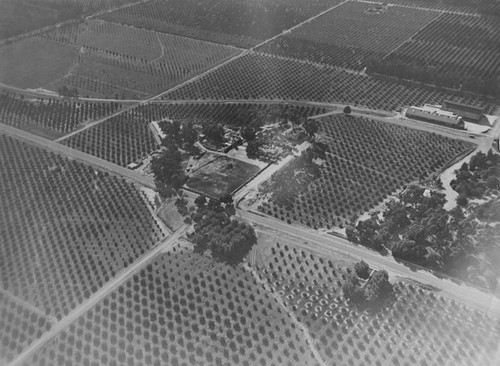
point(78, 155)
point(328, 245)
point(104, 291)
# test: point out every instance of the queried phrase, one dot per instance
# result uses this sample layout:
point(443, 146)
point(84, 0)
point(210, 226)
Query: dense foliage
point(227, 238)
point(416, 228)
point(480, 175)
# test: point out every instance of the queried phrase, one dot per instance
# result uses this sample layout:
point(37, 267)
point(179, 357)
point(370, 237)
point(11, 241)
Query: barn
point(435, 115)
point(468, 112)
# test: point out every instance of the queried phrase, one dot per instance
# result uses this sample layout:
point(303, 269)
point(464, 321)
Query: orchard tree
point(167, 171)
point(362, 269)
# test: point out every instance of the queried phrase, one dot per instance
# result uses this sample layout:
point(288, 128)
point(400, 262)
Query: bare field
point(35, 62)
point(221, 176)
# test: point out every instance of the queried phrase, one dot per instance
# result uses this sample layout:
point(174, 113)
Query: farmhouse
point(468, 112)
point(435, 115)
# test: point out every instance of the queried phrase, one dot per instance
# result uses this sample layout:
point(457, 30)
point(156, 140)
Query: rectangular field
point(68, 228)
point(35, 62)
point(240, 23)
point(414, 327)
point(122, 61)
point(255, 76)
point(361, 169)
point(220, 175)
point(122, 140)
point(455, 44)
point(350, 33)
point(183, 309)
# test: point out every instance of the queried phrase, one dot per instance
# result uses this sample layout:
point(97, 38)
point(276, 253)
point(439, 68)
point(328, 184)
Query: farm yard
point(51, 117)
point(255, 76)
point(415, 327)
point(68, 230)
point(122, 139)
point(183, 309)
point(351, 33)
point(242, 24)
point(359, 170)
point(220, 176)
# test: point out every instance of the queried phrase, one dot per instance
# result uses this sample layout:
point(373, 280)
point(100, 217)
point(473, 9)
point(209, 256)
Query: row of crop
point(364, 26)
point(228, 114)
point(121, 139)
point(476, 32)
point(19, 326)
point(182, 309)
point(226, 22)
point(360, 169)
point(111, 58)
point(255, 76)
point(415, 327)
point(468, 7)
point(91, 6)
point(449, 59)
point(454, 47)
point(56, 114)
point(317, 52)
point(69, 228)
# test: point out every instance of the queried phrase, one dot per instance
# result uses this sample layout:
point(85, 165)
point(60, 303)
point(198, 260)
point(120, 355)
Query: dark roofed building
point(434, 116)
point(468, 112)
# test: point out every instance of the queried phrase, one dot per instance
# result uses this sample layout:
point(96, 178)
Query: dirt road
point(104, 291)
point(327, 245)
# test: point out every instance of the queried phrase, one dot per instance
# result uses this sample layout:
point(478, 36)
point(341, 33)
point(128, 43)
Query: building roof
point(434, 115)
point(463, 106)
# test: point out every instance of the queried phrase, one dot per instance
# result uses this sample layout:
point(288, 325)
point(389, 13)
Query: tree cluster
point(181, 135)
point(167, 170)
point(416, 228)
point(215, 229)
point(474, 179)
point(64, 91)
point(376, 290)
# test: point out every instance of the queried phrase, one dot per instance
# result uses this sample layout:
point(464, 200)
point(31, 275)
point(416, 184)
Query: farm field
point(134, 60)
point(351, 33)
point(255, 76)
point(35, 62)
point(19, 326)
point(455, 44)
point(122, 139)
point(228, 114)
point(182, 309)
point(472, 7)
point(415, 327)
point(51, 117)
point(240, 23)
point(220, 176)
point(68, 228)
point(359, 170)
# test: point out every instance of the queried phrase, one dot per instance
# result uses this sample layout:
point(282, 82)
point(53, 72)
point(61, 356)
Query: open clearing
point(220, 176)
point(35, 62)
